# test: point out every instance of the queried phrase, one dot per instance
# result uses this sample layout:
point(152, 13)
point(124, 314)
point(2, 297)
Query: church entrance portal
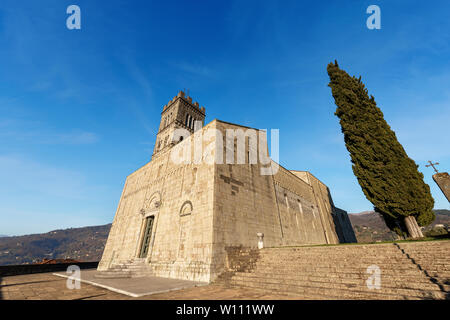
point(147, 236)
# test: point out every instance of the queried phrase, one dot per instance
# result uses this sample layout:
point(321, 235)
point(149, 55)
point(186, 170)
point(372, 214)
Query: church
point(208, 189)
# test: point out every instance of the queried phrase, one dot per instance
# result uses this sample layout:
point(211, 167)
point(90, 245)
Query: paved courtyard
point(134, 287)
point(47, 286)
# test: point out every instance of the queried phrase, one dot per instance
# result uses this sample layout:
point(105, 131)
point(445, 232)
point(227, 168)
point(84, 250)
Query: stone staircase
point(414, 270)
point(127, 269)
point(433, 259)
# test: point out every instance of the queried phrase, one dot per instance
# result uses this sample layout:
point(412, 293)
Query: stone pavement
point(134, 287)
point(47, 286)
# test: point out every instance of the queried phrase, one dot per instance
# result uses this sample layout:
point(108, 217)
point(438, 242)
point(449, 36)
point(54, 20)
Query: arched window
point(186, 208)
point(187, 120)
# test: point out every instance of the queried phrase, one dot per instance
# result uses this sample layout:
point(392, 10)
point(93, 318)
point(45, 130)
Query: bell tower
point(180, 112)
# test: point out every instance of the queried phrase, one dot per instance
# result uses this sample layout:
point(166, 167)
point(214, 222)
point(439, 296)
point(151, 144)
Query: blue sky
point(79, 109)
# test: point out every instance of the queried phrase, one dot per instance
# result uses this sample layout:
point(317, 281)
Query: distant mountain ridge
point(87, 243)
point(369, 226)
point(81, 244)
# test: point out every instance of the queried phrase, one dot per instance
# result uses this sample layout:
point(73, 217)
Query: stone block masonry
point(442, 179)
point(201, 209)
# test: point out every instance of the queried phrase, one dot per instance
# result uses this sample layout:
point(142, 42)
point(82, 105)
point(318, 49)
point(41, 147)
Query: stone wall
point(204, 207)
point(344, 228)
point(14, 270)
point(180, 197)
point(288, 208)
point(442, 179)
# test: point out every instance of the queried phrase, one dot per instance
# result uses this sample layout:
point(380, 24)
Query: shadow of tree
point(434, 279)
point(447, 293)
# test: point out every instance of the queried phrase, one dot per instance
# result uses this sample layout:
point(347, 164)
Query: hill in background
point(369, 226)
point(81, 244)
point(86, 244)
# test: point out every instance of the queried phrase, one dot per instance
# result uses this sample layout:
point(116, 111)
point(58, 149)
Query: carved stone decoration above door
point(152, 202)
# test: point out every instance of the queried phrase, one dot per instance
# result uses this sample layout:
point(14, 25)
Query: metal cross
point(431, 164)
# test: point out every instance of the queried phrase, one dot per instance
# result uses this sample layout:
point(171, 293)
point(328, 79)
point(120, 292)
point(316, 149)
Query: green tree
point(388, 177)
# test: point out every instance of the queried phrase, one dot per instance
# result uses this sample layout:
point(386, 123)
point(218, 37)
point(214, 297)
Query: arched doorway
point(149, 214)
point(148, 228)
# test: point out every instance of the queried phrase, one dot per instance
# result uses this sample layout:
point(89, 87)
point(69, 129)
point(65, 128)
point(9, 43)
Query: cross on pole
point(431, 164)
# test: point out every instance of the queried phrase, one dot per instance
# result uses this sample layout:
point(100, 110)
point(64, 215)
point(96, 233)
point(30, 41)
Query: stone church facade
point(181, 218)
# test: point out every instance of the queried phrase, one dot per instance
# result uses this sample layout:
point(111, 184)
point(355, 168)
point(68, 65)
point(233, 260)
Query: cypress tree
point(388, 177)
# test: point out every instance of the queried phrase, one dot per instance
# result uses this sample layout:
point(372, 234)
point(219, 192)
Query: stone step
point(443, 254)
point(416, 277)
point(322, 256)
point(407, 265)
point(388, 250)
point(385, 287)
point(336, 268)
point(433, 266)
point(425, 250)
point(393, 260)
point(409, 283)
point(340, 272)
point(341, 275)
point(340, 293)
point(343, 254)
point(333, 253)
point(128, 265)
point(429, 248)
point(445, 258)
point(337, 278)
point(392, 250)
point(434, 244)
point(340, 261)
point(445, 275)
point(439, 255)
point(350, 273)
point(113, 274)
point(430, 251)
point(349, 289)
point(135, 269)
point(137, 266)
point(303, 296)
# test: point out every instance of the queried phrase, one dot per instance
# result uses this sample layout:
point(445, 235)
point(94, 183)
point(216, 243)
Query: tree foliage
point(388, 177)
